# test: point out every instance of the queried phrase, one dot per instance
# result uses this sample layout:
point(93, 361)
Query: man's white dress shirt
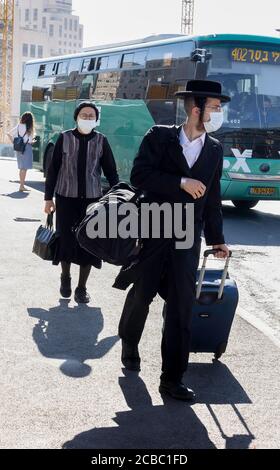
point(191, 150)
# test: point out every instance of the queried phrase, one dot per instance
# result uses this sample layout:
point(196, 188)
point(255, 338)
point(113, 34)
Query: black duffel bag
point(114, 250)
point(45, 240)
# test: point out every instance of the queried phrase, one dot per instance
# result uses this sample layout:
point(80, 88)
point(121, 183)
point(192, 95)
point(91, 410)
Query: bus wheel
point(245, 205)
point(47, 159)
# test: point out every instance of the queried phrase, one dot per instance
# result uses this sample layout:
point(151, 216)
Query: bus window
point(50, 83)
point(30, 77)
point(40, 94)
point(87, 86)
point(114, 61)
point(140, 58)
point(74, 79)
point(48, 69)
point(102, 63)
point(62, 68)
point(160, 96)
point(42, 70)
point(134, 59)
point(132, 84)
point(127, 60)
point(74, 65)
point(106, 86)
point(250, 77)
point(88, 64)
point(169, 55)
point(108, 62)
point(60, 83)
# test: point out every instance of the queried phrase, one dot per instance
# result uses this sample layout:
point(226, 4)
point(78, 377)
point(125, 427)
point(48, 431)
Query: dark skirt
point(69, 213)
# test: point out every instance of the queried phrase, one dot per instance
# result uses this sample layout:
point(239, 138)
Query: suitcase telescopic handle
point(203, 269)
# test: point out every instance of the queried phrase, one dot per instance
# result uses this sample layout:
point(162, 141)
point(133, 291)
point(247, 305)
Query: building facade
point(43, 28)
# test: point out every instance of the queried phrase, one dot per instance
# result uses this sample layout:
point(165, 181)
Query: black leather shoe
point(177, 391)
point(82, 296)
point(65, 287)
point(130, 357)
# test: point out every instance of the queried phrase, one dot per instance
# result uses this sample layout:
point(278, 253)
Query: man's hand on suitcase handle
point(223, 252)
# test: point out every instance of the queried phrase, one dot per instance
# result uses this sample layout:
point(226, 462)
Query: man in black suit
point(175, 165)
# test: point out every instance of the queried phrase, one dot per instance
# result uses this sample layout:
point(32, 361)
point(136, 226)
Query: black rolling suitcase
point(214, 308)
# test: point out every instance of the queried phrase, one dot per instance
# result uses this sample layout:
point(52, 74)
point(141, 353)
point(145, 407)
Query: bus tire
point(47, 159)
point(245, 205)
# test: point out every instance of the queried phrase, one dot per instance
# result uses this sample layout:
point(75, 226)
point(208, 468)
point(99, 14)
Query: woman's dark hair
point(86, 104)
point(199, 102)
point(28, 119)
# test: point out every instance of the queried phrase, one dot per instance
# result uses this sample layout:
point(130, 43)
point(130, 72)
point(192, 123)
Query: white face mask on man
point(215, 123)
point(86, 125)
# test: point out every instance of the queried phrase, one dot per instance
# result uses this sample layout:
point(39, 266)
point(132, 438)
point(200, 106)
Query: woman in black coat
point(74, 178)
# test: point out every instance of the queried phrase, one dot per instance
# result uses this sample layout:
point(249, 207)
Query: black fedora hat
point(203, 88)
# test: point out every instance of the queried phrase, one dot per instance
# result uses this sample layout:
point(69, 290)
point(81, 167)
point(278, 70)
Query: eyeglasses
point(91, 117)
point(217, 108)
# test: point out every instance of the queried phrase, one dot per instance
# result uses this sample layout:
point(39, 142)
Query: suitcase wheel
point(220, 350)
point(217, 356)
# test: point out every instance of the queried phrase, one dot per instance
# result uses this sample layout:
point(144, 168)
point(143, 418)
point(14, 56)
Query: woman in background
point(26, 130)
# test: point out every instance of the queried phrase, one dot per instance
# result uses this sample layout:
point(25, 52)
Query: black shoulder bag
point(46, 240)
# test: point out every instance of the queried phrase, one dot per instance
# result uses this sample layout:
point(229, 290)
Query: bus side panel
point(69, 109)
point(49, 117)
point(124, 122)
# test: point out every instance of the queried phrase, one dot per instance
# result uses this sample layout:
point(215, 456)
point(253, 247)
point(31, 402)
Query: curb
point(259, 325)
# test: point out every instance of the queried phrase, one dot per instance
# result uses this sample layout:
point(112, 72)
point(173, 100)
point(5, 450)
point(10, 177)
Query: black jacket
point(159, 166)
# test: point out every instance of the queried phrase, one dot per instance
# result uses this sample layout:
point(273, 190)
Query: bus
point(133, 84)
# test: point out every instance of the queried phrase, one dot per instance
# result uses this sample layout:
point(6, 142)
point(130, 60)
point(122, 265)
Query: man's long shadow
point(217, 386)
point(71, 334)
point(173, 425)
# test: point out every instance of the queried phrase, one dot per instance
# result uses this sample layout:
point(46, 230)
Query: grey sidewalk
point(61, 380)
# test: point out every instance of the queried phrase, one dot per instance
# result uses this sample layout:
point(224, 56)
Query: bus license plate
point(262, 191)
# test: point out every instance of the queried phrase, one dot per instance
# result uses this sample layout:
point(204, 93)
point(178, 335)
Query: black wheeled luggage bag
point(214, 309)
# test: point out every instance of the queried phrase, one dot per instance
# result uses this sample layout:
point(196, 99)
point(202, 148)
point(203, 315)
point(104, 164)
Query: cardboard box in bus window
point(58, 93)
point(157, 92)
point(38, 94)
point(72, 93)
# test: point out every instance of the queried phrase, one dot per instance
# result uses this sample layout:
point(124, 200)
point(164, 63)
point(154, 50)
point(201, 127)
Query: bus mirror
point(201, 55)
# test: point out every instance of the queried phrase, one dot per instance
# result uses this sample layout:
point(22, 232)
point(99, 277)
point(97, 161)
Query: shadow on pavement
point(26, 219)
point(173, 425)
point(16, 195)
point(251, 228)
point(71, 334)
point(38, 185)
point(217, 386)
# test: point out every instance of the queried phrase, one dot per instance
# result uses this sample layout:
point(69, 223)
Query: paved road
point(255, 238)
point(61, 381)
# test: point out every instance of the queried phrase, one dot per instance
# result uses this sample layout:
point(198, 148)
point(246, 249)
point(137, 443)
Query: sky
point(108, 21)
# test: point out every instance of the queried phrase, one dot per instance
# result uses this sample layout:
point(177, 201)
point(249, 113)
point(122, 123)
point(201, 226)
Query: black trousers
point(172, 274)
point(69, 212)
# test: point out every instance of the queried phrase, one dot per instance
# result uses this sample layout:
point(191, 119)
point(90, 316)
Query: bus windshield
point(250, 75)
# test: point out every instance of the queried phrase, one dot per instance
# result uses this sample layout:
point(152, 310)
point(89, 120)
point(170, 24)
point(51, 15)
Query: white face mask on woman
point(216, 121)
point(86, 125)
